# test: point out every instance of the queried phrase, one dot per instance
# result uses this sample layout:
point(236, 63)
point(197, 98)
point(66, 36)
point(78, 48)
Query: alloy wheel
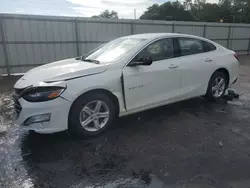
point(218, 87)
point(94, 115)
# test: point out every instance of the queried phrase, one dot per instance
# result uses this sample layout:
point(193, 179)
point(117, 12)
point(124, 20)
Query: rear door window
point(189, 46)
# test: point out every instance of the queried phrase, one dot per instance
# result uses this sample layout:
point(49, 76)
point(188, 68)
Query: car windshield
point(113, 50)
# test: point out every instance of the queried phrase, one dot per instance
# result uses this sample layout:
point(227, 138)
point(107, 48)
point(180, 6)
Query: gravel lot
point(194, 143)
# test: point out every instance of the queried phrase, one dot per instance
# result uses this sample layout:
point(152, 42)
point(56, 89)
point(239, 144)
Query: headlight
point(40, 94)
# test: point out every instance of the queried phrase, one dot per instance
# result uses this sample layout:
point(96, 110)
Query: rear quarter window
point(189, 46)
point(208, 47)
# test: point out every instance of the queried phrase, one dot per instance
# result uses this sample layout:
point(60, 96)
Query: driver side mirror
point(146, 61)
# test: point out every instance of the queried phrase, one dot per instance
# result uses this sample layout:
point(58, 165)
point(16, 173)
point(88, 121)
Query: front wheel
point(217, 85)
point(91, 114)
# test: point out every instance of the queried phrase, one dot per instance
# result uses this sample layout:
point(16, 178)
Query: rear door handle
point(173, 66)
point(208, 60)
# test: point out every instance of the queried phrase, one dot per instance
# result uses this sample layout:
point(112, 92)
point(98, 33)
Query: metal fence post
point(77, 38)
point(6, 57)
point(173, 28)
point(229, 35)
point(248, 50)
point(204, 30)
point(132, 27)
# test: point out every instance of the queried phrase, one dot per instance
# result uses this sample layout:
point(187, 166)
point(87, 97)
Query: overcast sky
point(85, 8)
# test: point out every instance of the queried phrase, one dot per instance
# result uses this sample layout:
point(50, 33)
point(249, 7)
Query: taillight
point(236, 56)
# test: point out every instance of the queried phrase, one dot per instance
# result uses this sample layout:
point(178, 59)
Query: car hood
point(60, 70)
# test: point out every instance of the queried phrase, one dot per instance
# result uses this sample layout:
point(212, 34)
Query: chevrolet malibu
point(124, 76)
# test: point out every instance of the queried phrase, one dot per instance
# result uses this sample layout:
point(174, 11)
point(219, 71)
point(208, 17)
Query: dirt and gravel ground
point(194, 143)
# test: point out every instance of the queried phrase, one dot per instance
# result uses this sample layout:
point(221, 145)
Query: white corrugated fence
point(27, 41)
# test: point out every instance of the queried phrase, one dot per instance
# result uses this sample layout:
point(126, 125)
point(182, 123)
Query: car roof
point(160, 35)
point(155, 36)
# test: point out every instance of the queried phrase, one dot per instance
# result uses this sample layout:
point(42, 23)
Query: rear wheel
point(91, 114)
point(217, 85)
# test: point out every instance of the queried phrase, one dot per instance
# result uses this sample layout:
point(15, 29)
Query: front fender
point(110, 82)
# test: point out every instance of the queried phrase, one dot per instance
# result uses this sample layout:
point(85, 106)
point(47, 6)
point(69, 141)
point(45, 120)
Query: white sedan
point(124, 76)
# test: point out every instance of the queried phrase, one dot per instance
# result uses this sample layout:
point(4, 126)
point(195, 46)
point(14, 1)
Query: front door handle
point(208, 60)
point(173, 66)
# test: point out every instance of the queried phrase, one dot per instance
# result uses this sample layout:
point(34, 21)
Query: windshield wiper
point(79, 58)
point(88, 60)
point(91, 60)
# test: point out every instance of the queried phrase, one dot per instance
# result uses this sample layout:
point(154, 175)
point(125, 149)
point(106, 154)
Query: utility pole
point(134, 13)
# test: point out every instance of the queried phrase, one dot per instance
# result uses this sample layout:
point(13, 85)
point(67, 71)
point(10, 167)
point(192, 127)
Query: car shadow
point(60, 160)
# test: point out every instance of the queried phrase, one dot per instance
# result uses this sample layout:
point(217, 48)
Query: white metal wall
point(2, 54)
point(28, 41)
point(2, 59)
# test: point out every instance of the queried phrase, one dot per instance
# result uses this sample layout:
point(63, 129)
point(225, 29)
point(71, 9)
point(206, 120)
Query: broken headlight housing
point(40, 94)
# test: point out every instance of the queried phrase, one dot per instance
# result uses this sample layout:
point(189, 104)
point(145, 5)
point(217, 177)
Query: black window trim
point(176, 47)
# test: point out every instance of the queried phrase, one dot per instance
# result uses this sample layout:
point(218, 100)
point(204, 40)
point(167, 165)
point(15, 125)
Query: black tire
point(74, 124)
point(216, 75)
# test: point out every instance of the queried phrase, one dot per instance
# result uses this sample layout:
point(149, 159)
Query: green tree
point(107, 14)
point(241, 10)
point(226, 10)
point(199, 10)
point(187, 4)
point(207, 12)
point(225, 3)
point(167, 11)
point(236, 10)
point(199, 4)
